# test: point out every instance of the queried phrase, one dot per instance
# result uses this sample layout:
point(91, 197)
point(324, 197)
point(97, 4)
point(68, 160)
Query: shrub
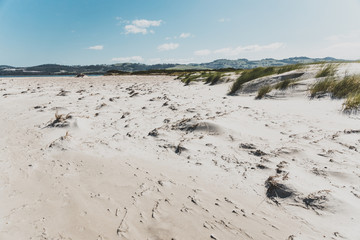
point(263, 91)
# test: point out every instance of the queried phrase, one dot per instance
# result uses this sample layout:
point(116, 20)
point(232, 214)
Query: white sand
point(108, 179)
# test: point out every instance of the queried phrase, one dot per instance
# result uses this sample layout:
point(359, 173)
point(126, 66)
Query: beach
point(145, 157)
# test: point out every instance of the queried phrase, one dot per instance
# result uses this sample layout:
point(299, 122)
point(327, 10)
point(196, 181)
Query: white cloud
point(134, 29)
point(170, 60)
point(224, 20)
point(239, 50)
point(97, 47)
point(353, 35)
point(248, 48)
point(141, 26)
point(168, 46)
point(257, 48)
point(185, 35)
point(223, 51)
point(143, 23)
point(203, 52)
point(128, 59)
point(345, 50)
point(154, 61)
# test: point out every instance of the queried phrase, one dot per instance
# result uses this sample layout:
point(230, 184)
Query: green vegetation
point(262, 91)
point(289, 68)
point(322, 86)
point(213, 78)
point(348, 87)
point(352, 103)
point(189, 77)
point(327, 70)
point(249, 75)
point(283, 85)
point(337, 88)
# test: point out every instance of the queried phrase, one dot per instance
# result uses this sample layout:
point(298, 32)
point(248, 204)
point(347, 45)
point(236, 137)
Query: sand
point(145, 157)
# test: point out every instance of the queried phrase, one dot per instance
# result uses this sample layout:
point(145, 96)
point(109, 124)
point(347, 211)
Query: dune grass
point(289, 68)
point(352, 103)
point(213, 78)
point(188, 77)
point(327, 70)
point(337, 88)
point(248, 75)
point(348, 87)
point(323, 86)
point(263, 91)
point(283, 85)
point(251, 74)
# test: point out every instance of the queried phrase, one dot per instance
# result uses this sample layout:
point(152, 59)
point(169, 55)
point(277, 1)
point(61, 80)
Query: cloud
point(224, 20)
point(345, 50)
point(185, 35)
point(170, 60)
point(97, 47)
point(351, 36)
point(134, 29)
point(142, 26)
point(223, 51)
point(204, 52)
point(128, 59)
point(168, 46)
point(239, 50)
point(146, 23)
point(249, 48)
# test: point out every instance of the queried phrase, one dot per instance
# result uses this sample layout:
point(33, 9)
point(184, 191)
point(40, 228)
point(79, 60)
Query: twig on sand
point(119, 231)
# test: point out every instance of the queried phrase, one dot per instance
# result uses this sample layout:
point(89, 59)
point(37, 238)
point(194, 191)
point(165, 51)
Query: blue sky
point(81, 32)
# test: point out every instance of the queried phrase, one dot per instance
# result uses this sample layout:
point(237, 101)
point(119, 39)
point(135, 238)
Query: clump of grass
point(348, 87)
point(180, 76)
point(283, 85)
point(263, 91)
point(189, 77)
point(323, 86)
point(352, 103)
point(289, 68)
point(337, 88)
point(328, 70)
point(248, 75)
point(60, 120)
point(213, 78)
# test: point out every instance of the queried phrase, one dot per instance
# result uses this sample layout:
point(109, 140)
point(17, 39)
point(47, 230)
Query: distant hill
point(55, 69)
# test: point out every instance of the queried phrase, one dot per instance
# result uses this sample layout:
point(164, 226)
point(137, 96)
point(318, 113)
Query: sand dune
point(145, 157)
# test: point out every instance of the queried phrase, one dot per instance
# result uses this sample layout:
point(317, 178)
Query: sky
point(83, 32)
